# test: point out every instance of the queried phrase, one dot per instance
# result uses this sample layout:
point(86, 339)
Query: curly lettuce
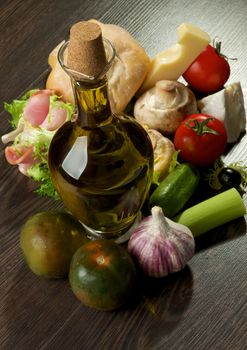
point(16, 107)
point(39, 137)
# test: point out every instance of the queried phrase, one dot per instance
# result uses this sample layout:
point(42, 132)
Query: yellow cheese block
point(173, 62)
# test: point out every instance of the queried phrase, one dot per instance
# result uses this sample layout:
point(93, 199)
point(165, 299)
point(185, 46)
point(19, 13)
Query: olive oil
point(102, 163)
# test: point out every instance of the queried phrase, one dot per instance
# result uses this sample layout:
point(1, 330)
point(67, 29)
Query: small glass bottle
point(101, 164)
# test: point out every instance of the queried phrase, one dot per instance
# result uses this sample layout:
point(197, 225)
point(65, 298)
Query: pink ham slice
point(22, 156)
point(37, 112)
point(23, 168)
point(19, 154)
point(55, 118)
point(37, 107)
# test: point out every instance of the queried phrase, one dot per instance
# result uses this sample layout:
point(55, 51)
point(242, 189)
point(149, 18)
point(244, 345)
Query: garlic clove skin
point(160, 245)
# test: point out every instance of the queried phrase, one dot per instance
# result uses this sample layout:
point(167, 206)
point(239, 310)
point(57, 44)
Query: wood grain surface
point(202, 307)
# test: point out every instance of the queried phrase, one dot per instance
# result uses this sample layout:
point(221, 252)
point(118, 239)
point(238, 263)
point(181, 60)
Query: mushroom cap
point(164, 106)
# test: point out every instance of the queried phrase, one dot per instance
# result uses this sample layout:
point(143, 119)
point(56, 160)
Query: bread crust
point(125, 76)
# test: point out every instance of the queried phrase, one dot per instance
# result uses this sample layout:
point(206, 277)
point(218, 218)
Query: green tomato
point(48, 241)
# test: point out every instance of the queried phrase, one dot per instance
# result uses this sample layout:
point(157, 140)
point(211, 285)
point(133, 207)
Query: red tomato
point(201, 139)
point(209, 72)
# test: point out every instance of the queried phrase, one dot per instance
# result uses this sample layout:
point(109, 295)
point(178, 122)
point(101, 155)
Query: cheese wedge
point(228, 106)
point(173, 62)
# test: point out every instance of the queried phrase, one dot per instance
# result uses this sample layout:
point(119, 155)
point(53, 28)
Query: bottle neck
point(92, 103)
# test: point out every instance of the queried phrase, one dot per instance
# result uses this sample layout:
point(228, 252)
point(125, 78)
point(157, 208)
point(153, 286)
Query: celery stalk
point(213, 212)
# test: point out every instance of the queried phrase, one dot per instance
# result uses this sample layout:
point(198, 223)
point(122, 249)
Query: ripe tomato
point(209, 72)
point(201, 139)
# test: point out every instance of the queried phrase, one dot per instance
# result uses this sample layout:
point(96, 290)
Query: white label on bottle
point(76, 160)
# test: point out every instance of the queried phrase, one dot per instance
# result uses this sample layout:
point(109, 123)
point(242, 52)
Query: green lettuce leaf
point(40, 173)
point(15, 108)
point(40, 138)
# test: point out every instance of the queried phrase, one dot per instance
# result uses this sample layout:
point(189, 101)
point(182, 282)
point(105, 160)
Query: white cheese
point(173, 62)
point(228, 106)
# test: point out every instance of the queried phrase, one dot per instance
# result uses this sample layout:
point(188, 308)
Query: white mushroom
point(164, 106)
point(163, 153)
point(10, 137)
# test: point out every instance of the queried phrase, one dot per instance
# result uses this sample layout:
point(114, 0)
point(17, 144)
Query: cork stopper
point(86, 53)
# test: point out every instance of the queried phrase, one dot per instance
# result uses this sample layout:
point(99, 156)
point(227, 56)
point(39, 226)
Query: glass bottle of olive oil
point(101, 164)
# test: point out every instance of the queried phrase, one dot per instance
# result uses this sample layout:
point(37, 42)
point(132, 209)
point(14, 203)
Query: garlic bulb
point(160, 245)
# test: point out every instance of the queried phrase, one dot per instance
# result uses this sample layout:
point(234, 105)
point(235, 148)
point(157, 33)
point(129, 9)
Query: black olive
point(229, 178)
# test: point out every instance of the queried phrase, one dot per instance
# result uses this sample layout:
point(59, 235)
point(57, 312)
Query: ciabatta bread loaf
point(125, 76)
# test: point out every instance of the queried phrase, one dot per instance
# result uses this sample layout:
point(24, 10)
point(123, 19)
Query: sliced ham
point(23, 168)
point(37, 107)
point(55, 118)
point(38, 114)
point(19, 154)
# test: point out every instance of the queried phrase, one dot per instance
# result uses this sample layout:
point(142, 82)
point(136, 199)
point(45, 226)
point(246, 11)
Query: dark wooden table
point(202, 307)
